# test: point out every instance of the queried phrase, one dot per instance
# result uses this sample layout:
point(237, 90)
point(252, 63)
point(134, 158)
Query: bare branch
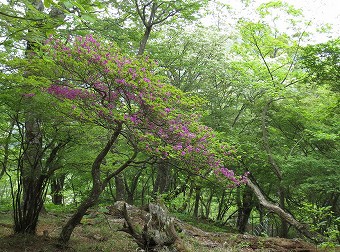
point(263, 58)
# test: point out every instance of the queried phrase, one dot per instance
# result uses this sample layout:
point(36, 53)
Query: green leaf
point(47, 3)
point(68, 4)
point(87, 17)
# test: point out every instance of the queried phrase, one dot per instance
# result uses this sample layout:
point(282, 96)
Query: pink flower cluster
point(68, 93)
point(117, 88)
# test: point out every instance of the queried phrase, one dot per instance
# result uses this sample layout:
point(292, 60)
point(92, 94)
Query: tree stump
point(153, 229)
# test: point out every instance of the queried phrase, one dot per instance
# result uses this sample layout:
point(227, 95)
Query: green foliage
point(323, 220)
point(321, 62)
point(227, 75)
point(206, 225)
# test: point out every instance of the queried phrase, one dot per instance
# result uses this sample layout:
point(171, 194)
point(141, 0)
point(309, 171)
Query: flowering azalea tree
point(97, 84)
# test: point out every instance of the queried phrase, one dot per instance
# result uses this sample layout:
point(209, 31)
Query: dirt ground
point(102, 232)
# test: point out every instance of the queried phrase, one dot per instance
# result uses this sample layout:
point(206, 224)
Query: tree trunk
point(284, 223)
point(275, 167)
point(283, 214)
point(131, 190)
point(163, 178)
point(90, 201)
point(145, 189)
point(57, 186)
point(120, 187)
point(97, 188)
point(29, 197)
point(144, 40)
point(245, 207)
point(31, 189)
point(221, 206)
point(207, 205)
point(197, 200)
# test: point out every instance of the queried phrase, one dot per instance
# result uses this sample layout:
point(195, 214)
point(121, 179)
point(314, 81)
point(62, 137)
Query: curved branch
point(21, 18)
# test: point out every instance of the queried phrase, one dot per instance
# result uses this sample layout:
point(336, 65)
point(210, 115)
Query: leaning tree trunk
point(302, 228)
point(98, 186)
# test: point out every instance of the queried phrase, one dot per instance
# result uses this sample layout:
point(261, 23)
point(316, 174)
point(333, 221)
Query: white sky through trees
point(319, 12)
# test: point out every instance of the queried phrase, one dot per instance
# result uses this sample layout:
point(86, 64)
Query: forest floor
point(101, 232)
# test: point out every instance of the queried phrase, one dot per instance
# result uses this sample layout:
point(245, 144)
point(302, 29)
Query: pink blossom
point(146, 79)
point(111, 86)
point(178, 147)
point(28, 95)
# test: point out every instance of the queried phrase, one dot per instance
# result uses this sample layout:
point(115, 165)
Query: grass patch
point(204, 224)
point(98, 234)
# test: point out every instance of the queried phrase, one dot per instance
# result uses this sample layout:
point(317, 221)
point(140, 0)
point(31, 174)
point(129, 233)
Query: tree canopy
point(103, 101)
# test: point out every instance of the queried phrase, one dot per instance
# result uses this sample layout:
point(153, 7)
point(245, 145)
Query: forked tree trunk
point(97, 188)
point(30, 193)
point(28, 199)
point(29, 196)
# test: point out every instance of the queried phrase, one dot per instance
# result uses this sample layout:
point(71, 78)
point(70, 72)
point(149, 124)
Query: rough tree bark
point(153, 229)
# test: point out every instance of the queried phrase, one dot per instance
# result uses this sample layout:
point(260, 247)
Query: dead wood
point(153, 229)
